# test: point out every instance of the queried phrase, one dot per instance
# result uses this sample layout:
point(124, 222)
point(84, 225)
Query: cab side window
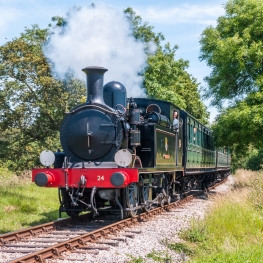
point(175, 124)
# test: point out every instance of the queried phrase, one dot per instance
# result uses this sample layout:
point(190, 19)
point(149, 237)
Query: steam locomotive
point(125, 155)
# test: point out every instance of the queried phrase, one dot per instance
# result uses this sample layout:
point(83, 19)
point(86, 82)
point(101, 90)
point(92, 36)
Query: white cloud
point(186, 14)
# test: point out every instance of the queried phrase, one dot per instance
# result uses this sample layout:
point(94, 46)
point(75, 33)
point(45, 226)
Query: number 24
point(100, 177)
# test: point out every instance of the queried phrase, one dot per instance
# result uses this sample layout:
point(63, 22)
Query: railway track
point(52, 240)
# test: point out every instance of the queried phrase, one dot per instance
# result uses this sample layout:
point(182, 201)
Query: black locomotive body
point(126, 154)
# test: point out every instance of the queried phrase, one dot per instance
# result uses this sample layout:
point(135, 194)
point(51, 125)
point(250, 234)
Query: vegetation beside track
point(23, 204)
point(232, 231)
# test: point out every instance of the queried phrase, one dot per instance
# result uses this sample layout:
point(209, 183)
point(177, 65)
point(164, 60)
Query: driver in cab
point(175, 121)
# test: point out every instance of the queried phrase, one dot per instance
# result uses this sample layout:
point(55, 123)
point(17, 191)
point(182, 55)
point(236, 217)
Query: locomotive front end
point(92, 132)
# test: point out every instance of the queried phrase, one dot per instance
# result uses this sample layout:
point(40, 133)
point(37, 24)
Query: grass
point(23, 204)
point(232, 231)
point(4, 174)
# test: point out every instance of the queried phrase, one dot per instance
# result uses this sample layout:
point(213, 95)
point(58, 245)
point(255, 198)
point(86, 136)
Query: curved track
point(50, 240)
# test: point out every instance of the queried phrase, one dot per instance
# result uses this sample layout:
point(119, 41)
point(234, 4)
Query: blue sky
point(181, 22)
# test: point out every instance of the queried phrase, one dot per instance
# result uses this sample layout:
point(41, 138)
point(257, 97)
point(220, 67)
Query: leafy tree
point(255, 160)
point(252, 160)
point(143, 31)
point(241, 125)
point(234, 51)
point(166, 78)
point(33, 102)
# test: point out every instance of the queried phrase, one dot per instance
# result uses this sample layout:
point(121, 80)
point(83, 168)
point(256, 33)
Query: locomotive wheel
point(163, 199)
point(72, 214)
point(132, 199)
point(166, 198)
point(160, 200)
point(144, 189)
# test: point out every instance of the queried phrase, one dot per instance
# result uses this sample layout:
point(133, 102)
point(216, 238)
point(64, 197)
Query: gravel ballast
point(154, 234)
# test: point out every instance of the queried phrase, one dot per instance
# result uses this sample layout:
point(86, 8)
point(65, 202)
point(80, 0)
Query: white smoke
point(99, 36)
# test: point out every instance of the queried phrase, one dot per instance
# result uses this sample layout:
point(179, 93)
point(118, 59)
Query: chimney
point(95, 84)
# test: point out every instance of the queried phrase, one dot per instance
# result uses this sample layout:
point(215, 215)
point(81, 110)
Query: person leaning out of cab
point(175, 121)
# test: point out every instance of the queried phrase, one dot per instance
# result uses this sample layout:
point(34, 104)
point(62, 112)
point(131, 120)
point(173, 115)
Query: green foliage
point(241, 125)
point(142, 31)
point(60, 21)
point(234, 50)
point(5, 173)
point(181, 248)
point(166, 78)
point(33, 102)
point(255, 160)
point(252, 160)
point(135, 259)
point(159, 256)
point(237, 162)
point(195, 234)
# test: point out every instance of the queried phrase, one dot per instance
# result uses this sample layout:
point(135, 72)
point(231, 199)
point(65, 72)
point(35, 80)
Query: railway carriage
point(126, 155)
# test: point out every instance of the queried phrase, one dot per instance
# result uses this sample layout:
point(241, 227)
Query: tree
point(166, 78)
point(143, 31)
point(241, 126)
point(33, 102)
point(234, 51)
point(255, 160)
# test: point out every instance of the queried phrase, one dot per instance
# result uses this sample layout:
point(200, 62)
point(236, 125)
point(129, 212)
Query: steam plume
point(99, 36)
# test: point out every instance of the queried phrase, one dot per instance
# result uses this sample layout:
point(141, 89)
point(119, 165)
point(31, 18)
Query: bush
point(255, 160)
